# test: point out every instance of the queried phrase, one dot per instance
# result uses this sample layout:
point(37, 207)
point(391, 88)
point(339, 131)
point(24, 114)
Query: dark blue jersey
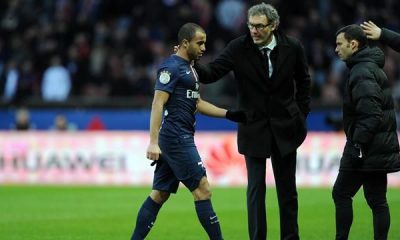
point(177, 77)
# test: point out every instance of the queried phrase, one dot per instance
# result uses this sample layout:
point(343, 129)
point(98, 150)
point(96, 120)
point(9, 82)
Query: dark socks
point(145, 219)
point(208, 219)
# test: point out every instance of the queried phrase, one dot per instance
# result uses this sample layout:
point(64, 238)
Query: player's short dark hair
point(354, 32)
point(188, 31)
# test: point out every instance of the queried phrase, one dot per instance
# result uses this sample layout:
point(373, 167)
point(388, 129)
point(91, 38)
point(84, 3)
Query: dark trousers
point(285, 179)
point(375, 186)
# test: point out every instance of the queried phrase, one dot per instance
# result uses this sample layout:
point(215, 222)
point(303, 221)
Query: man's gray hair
point(265, 9)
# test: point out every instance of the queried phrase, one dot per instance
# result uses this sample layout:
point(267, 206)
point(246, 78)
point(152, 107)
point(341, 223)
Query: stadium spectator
point(9, 80)
point(86, 33)
point(172, 146)
point(96, 124)
point(372, 147)
point(61, 123)
point(28, 82)
point(19, 82)
point(22, 120)
point(56, 83)
point(274, 89)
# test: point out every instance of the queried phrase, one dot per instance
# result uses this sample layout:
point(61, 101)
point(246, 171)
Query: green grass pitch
point(108, 213)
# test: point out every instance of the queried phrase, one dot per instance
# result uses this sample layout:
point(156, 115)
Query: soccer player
point(172, 146)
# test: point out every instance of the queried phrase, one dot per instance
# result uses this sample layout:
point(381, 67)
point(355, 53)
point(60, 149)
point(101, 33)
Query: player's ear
point(185, 43)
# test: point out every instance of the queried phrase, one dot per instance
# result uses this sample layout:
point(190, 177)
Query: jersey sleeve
point(167, 79)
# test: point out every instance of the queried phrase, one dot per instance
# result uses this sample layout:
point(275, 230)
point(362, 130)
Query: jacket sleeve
point(213, 71)
point(390, 38)
point(367, 96)
point(303, 81)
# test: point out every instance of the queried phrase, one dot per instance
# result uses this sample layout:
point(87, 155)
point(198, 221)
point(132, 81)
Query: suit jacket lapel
point(283, 51)
point(255, 57)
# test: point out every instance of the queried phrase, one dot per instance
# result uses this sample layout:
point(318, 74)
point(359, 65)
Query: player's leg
point(188, 168)
point(148, 213)
point(204, 209)
point(203, 191)
point(164, 183)
point(375, 187)
point(346, 186)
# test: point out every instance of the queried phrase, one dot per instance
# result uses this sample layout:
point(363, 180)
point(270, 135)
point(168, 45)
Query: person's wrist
point(228, 114)
point(236, 116)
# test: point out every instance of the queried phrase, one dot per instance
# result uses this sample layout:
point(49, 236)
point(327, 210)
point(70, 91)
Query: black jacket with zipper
point(368, 115)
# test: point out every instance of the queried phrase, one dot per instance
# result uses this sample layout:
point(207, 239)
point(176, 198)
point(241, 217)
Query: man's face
point(197, 46)
point(344, 48)
point(260, 29)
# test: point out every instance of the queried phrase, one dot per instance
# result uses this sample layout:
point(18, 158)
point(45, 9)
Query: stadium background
point(109, 51)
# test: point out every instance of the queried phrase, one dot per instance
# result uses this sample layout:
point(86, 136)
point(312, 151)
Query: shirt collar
point(271, 45)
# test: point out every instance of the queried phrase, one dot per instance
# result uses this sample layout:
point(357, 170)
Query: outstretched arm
point(219, 67)
point(211, 110)
point(384, 35)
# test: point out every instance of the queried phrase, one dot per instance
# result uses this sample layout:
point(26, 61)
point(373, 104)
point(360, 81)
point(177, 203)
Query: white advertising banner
point(119, 158)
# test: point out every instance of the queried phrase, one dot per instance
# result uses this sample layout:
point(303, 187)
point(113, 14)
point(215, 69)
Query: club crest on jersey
point(164, 77)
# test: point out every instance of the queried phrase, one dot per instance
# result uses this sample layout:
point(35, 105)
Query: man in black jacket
point(372, 148)
point(274, 89)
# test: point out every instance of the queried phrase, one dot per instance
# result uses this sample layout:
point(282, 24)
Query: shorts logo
point(165, 76)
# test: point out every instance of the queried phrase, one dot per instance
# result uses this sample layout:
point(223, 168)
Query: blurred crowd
point(60, 49)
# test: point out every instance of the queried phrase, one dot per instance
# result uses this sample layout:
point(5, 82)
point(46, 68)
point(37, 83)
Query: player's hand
point(371, 30)
point(236, 116)
point(153, 152)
